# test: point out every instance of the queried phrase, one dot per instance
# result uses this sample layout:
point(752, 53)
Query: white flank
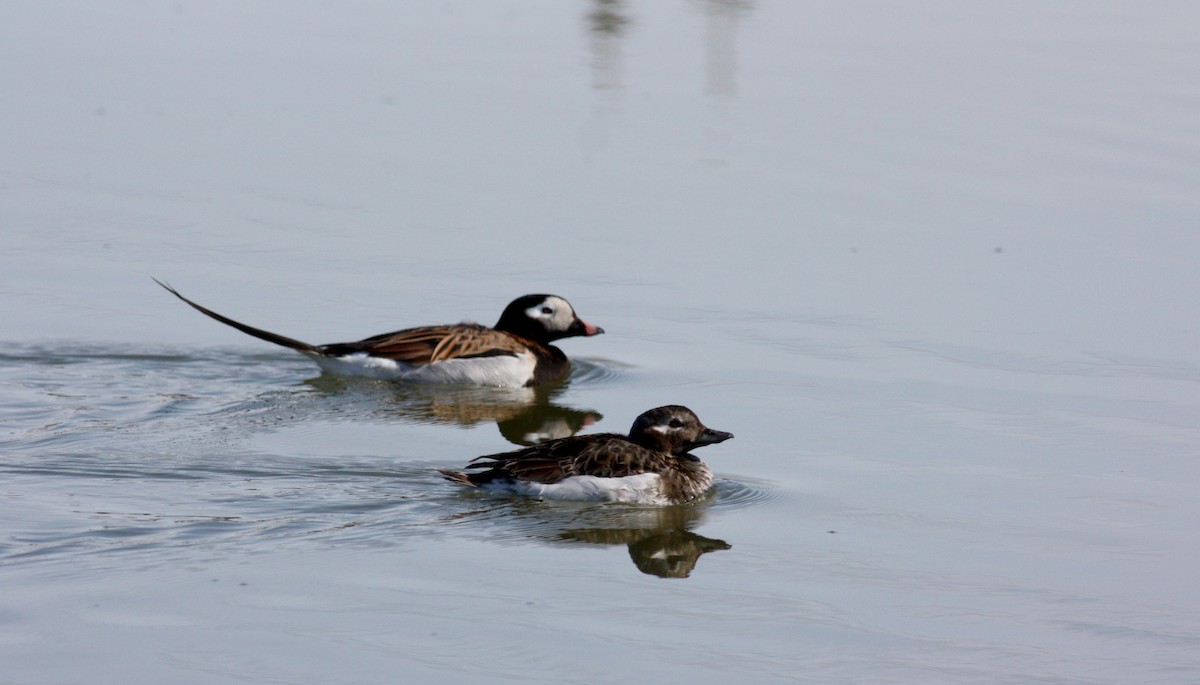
point(640, 489)
point(502, 371)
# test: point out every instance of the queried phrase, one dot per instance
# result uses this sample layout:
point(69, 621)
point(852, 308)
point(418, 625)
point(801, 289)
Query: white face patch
point(555, 313)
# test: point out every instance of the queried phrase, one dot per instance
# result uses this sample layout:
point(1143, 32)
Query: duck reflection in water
point(667, 548)
point(524, 416)
point(660, 539)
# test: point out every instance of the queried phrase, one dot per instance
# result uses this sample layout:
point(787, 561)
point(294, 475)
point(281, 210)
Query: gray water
point(934, 265)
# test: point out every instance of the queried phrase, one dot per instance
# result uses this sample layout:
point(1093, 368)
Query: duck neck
point(691, 478)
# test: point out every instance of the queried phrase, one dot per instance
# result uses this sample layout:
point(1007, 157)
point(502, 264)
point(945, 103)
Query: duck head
point(675, 429)
point(544, 318)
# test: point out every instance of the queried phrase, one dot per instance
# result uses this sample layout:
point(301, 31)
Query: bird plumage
point(517, 351)
point(654, 459)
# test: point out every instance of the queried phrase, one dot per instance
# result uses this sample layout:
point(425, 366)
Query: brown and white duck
point(652, 465)
point(515, 352)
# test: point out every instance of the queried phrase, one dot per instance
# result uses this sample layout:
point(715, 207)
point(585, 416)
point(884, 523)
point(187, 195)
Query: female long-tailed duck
point(515, 352)
point(652, 465)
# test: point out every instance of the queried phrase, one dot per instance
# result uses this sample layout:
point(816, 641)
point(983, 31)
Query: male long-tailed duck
point(652, 465)
point(515, 352)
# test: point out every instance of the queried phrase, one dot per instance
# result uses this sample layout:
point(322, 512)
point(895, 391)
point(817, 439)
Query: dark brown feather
point(429, 344)
point(659, 442)
point(606, 455)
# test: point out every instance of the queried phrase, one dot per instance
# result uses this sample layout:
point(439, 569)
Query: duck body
point(459, 353)
point(651, 465)
point(515, 352)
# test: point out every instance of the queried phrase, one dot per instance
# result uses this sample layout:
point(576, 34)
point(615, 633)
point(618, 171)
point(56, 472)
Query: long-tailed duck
point(515, 352)
point(652, 465)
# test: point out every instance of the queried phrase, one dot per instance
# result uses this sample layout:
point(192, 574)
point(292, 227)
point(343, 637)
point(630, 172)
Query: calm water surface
point(933, 265)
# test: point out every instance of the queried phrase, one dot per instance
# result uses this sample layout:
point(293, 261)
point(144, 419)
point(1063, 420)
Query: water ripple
point(744, 493)
point(599, 371)
point(142, 453)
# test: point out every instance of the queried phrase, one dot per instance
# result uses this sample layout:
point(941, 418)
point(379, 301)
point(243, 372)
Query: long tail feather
point(249, 330)
point(456, 477)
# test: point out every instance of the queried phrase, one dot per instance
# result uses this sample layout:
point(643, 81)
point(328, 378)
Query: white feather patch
point(504, 371)
point(560, 316)
point(644, 488)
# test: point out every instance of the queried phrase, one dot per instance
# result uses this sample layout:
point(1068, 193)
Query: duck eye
point(547, 310)
point(675, 423)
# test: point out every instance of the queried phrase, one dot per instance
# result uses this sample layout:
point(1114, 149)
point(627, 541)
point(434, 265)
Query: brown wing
point(429, 344)
point(606, 455)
